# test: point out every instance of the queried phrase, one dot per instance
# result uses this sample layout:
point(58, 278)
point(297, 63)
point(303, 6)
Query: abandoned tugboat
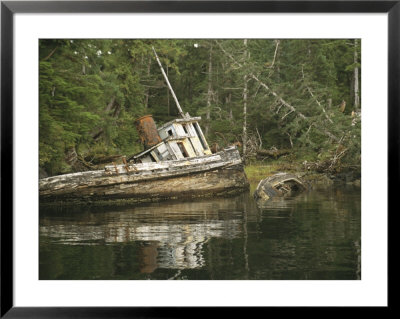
point(177, 162)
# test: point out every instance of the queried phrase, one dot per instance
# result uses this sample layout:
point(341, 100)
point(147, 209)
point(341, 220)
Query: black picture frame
point(9, 8)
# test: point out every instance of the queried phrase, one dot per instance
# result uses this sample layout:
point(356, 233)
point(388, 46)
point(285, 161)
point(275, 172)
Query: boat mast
point(169, 85)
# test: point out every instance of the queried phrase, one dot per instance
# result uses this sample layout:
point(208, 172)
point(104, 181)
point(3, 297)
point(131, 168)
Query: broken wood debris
point(280, 184)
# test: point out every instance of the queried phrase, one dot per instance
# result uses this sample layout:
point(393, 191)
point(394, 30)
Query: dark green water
point(316, 235)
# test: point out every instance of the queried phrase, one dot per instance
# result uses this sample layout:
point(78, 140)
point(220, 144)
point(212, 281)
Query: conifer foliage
point(302, 95)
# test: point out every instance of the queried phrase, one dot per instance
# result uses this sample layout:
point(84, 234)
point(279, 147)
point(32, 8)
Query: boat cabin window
point(183, 149)
point(152, 158)
point(170, 132)
point(185, 129)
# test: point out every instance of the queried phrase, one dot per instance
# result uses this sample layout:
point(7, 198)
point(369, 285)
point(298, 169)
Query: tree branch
point(290, 107)
point(51, 53)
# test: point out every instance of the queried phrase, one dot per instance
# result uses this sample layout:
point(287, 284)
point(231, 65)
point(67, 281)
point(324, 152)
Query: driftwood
point(272, 153)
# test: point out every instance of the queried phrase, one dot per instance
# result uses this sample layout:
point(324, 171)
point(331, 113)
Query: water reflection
point(174, 233)
point(316, 235)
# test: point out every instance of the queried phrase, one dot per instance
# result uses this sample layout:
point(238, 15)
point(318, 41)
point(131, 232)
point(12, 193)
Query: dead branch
point(280, 99)
point(50, 54)
point(312, 95)
point(275, 54)
point(290, 139)
point(259, 137)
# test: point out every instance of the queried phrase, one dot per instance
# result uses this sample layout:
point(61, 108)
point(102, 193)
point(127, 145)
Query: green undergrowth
point(258, 170)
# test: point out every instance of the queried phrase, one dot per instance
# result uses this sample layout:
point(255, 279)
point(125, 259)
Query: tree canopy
point(298, 94)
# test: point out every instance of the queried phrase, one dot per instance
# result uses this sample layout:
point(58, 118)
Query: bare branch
point(275, 54)
point(50, 54)
point(281, 100)
point(312, 95)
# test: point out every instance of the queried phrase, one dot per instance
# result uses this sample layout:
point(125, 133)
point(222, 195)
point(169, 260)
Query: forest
point(296, 101)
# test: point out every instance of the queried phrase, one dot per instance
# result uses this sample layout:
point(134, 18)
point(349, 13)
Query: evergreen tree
point(298, 94)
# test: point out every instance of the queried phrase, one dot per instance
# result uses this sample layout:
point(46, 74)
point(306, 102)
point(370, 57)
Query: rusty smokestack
point(147, 130)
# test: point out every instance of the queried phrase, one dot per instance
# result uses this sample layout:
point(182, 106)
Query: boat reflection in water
point(172, 235)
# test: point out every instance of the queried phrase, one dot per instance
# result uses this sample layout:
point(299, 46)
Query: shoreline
point(256, 171)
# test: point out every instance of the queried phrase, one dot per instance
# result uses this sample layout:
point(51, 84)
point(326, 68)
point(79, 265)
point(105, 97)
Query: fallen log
point(95, 160)
point(272, 153)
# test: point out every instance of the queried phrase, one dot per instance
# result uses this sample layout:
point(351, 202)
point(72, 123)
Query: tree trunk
point(209, 93)
point(356, 79)
point(146, 102)
point(329, 104)
point(244, 139)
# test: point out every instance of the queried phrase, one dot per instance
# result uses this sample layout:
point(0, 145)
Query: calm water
point(316, 235)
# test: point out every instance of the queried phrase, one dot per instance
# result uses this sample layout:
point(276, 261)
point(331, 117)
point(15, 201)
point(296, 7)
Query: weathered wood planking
point(279, 184)
point(137, 172)
point(209, 175)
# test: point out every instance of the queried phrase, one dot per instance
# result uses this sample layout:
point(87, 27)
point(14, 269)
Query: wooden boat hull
point(278, 185)
point(214, 175)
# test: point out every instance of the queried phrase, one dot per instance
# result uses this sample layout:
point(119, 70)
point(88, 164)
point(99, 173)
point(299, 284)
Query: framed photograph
point(163, 155)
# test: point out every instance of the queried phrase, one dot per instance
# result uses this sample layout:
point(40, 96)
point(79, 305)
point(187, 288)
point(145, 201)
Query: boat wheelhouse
point(177, 139)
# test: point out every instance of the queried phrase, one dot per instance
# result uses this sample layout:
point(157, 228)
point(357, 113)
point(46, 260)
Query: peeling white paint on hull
point(211, 175)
